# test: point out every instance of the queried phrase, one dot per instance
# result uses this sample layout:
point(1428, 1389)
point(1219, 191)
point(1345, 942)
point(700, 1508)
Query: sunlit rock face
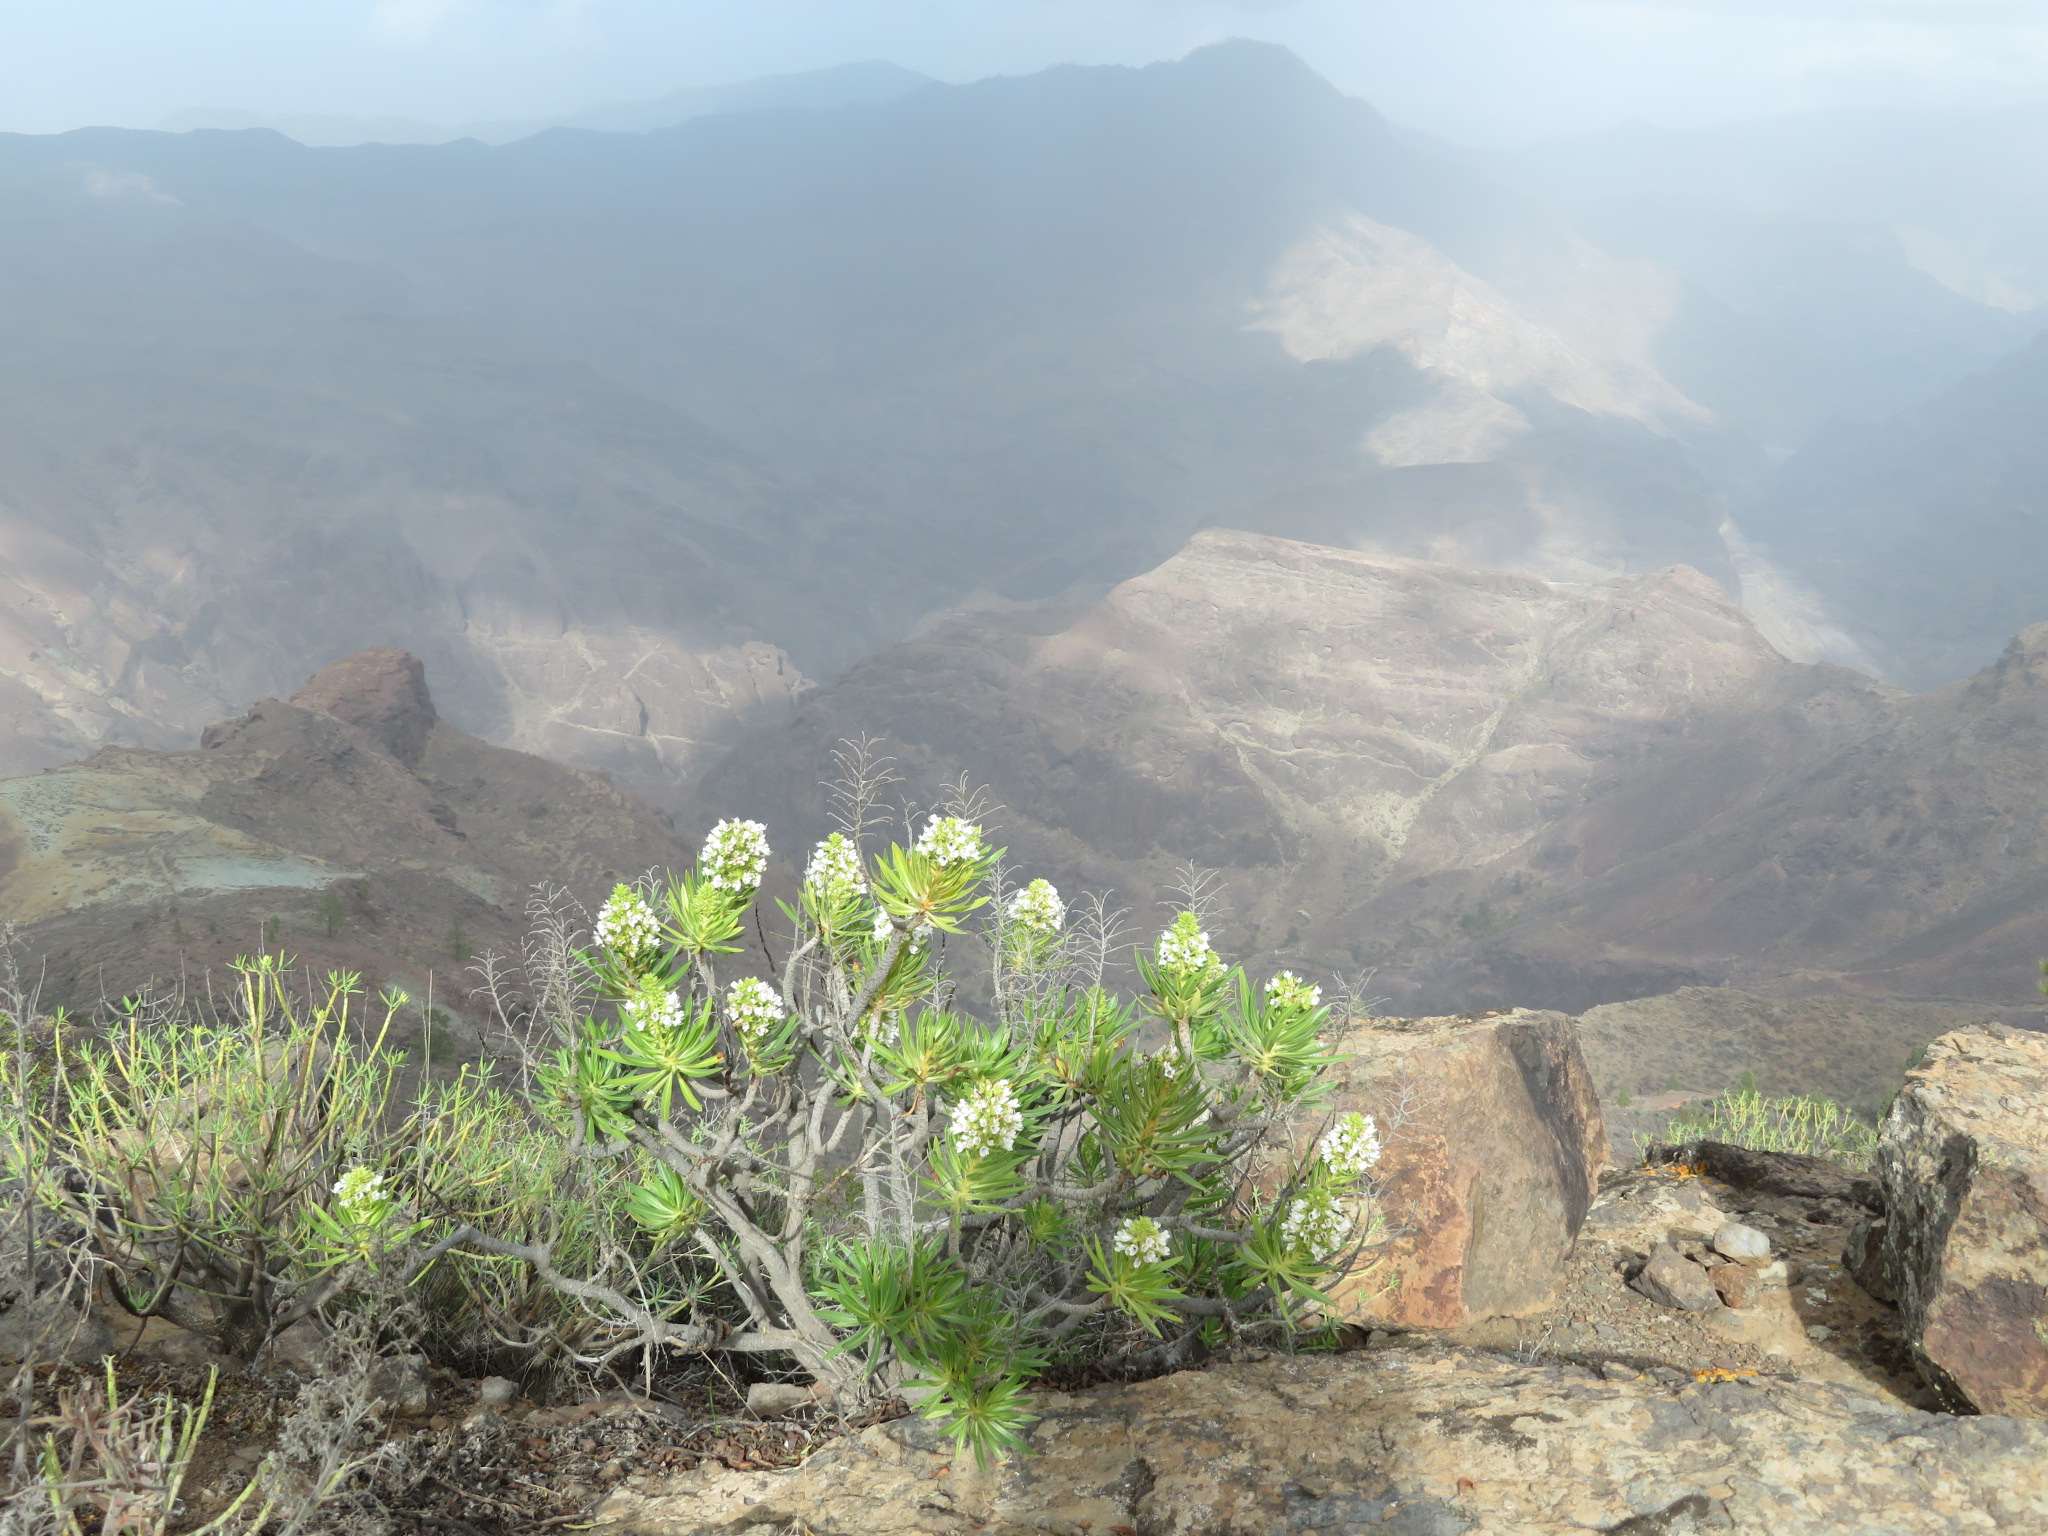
point(1371, 749)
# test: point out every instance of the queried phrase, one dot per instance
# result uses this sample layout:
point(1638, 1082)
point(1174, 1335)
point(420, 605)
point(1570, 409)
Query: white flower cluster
point(1351, 1146)
point(1171, 1059)
point(988, 1119)
point(755, 1009)
point(1184, 948)
point(883, 928)
point(653, 1008)
point(626, 925)
point(362, 1199)
point(834, 872)
point(735, 855)
point(1038, 908)
point(948, 841)
point(1289, 991)
point(1143, 1241)
point(1316, 1225)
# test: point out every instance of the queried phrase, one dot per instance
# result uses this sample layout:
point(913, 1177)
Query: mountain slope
point(350, 827)
point(816, 89)
point(1388, 759)
point(1927, 528)
point(225, 460)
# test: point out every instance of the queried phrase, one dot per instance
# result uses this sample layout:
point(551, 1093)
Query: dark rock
point(1863, 1258)
point(1672, 1280)
point(1773, 1173)
point(1965, 1170)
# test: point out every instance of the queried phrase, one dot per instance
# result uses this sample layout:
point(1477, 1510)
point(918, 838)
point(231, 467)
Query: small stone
point(1743, 1244)
point(1672, 1280)
point(48, 1327)
point(301, 1347)
point(1736, 1284)
point(1819, 1332)
point(401, 1382)
point(496, 1392)
point(776, 1399)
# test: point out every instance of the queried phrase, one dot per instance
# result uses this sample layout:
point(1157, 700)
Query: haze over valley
point(1493, 561)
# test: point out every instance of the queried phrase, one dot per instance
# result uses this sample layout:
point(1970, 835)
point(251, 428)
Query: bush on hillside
point(837, 1163)
point(1807, 1124)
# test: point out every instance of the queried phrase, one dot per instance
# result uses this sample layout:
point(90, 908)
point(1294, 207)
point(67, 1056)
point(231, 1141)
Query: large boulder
point(1493, 1151)
point(1424, 1442)
point(1963, 1161)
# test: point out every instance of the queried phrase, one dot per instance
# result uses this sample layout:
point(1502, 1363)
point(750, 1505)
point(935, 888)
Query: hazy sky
point(1474, 69)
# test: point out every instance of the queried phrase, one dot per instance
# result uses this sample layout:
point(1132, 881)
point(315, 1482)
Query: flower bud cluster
point(755, 1009)
point(1038, 909)
point(988, 1119)
point(948, 840)
point(1351, 1146)
point(1184, 948)
point(626, 926)
point(653, 1007)
point(1143, 1241)
point(362, 1198)
point(1315, 1224)
point(834, 872)
point(1289, 991)
point(735, 855)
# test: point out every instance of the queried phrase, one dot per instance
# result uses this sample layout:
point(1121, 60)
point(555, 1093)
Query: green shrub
point(1811, 1125)
point(847, 1168)
point(842, 1167)
point(204, 1158)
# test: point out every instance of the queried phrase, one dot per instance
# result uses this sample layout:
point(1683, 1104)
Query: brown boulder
point(1672, 1280)
point(1493, 1150)
point(1964, 1164)
point(1735, 1284)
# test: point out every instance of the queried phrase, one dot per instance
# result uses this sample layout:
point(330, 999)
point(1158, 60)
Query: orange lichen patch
point(1678, 1171)
point(1717, 1373)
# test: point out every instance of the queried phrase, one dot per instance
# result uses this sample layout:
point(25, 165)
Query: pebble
point(1744, 1244)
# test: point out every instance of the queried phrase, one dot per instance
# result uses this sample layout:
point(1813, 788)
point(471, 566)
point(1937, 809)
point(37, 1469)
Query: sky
point(1480, 71)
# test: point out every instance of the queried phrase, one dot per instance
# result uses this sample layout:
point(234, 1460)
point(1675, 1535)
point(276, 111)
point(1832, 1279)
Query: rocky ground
point(1798, 1411)
point(1805, 1317)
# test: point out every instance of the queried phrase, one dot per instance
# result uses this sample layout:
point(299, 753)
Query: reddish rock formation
point(381, 691)
point(1493, 1151)
point(1964, 1166)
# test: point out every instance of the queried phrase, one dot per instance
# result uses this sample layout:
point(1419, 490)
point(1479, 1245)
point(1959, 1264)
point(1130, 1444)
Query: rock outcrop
point(352, 827)
point(1428, 1442)
point(1963, 1161)
point(1493, 1151)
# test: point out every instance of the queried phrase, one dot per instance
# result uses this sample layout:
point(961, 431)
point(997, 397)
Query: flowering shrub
point(810, 1151)
point(904, 1197)
point(1038, 909)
